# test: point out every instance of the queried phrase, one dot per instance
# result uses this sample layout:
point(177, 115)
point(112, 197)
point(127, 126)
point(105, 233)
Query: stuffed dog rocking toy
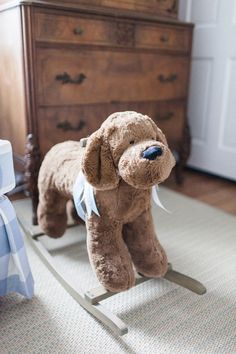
point(111, 181)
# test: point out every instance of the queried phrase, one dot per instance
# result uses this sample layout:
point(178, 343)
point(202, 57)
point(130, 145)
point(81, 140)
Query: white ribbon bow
point(156, 198)
point(84, 197)
point(85, 202)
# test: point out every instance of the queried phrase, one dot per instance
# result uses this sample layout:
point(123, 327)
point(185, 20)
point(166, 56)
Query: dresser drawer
point(158, 7)
point(67, 123)
point(73, 29)
point(57, 124)
point(67, 77)
point(163, 37)
point(56, 28)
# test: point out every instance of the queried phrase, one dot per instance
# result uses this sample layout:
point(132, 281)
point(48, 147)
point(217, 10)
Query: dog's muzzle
point(152, 153)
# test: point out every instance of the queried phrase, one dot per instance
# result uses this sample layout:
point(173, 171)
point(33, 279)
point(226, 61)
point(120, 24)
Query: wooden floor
point(216, 191)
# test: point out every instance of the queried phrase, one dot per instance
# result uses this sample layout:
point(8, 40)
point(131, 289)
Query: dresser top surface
point(82, 7)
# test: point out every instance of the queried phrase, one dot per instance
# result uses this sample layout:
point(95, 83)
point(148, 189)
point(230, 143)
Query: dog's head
point(130, 146)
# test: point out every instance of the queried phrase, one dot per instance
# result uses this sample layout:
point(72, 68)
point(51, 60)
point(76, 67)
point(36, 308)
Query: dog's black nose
point(152, 152)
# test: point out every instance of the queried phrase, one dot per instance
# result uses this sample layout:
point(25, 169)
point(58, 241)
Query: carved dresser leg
point(184, 152)
point(32, 165)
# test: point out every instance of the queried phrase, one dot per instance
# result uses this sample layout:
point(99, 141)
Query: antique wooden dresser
point(66, 65)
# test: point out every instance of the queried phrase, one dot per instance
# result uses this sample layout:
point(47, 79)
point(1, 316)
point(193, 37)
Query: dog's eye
point(131, 142)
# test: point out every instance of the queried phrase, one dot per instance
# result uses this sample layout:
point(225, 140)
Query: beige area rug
point(162, 317)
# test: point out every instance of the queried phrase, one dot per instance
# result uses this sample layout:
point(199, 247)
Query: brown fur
point(122, 179)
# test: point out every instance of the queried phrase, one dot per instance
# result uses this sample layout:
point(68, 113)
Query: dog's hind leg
point(147, 253)
point(52, 216)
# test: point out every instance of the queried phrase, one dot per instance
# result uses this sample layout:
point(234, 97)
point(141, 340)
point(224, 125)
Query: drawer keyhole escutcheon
point(66, 79)
point(78, 31)
point(67, 126)
point(174, 7)
point(166, 79)
point(164, 38)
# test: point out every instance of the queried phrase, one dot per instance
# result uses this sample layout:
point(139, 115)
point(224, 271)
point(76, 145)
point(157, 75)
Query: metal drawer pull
point(166, 116)
point(66, 79)
point(78, 31)
point(166, 79)
point(164, 38)
point(66, 126)
point(174, 7)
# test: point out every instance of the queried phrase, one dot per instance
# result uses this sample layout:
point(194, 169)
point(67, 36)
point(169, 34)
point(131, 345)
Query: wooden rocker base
point(91, 299)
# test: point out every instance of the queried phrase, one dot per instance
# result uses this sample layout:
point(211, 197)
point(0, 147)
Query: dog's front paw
point(154, 265)
point(115, 277)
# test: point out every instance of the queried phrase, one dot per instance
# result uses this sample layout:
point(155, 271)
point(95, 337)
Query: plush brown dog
point(122, 161)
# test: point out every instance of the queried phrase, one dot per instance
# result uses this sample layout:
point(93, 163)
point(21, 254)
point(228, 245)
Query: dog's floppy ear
point(97, 165)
